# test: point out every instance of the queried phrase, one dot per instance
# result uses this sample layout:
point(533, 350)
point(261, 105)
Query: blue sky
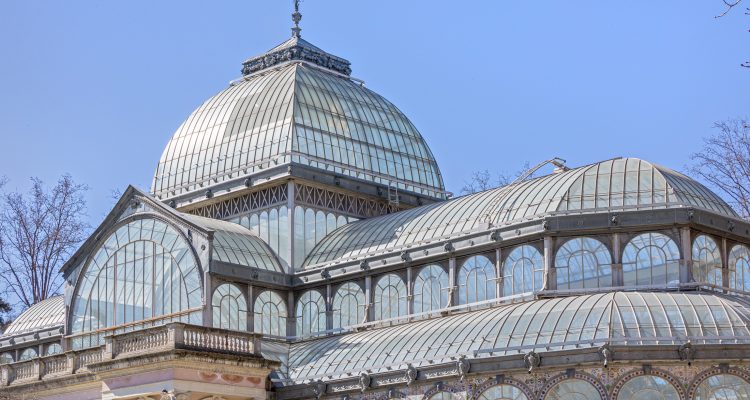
point(96, 88)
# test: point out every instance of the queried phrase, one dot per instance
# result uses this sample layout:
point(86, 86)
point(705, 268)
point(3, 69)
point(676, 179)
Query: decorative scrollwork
point(607, 354)
point(532, 360)
point(687, 352)
point(318, 388)
point(411, 374)
point(364, 381)
point(462, 366)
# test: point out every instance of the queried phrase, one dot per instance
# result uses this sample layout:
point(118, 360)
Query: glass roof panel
point(630, 183)
point(568, 323)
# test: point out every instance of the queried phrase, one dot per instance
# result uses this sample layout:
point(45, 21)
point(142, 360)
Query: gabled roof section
point(612, 185)
point(231, 243)
point(45, 314)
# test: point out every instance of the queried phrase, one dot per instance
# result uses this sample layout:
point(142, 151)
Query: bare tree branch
point(38, 231)
point(729, 6)
point(483, 180)
point(724, 163)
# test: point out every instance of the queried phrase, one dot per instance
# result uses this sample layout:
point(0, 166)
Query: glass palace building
point(298, 243)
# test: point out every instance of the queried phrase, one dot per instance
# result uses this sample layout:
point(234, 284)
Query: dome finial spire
point(296, 17)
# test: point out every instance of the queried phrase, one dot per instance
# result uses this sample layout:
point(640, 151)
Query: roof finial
point(296, 17)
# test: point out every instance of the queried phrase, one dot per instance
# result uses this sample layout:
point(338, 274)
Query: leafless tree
point(483, 180)
point(724, 162)
point(729, 6)
point(38, 232)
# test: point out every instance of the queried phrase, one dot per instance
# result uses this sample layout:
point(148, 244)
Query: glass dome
point(297, 105)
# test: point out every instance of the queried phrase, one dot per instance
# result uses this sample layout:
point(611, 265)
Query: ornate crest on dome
point(296, 49)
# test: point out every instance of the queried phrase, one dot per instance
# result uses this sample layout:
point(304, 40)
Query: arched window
point(721, 387)
point(27, 354)
point(6, 358)
point(270, 314)
point(502, 392)
point(476, 280)
point(583, 263)
point(430, 289)
point(310, 313)
point(739, 268)
point(53, 348)
point(390, 297)
point(651, 259)
point(229, 308)
point(523, 271)
point(348, 306)
point(648, 387)
point(706, 261)
point(442, 396)
point(573, 389)
point(144, 270)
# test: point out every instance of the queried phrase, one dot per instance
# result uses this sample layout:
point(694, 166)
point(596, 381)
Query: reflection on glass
point(723, 387)
point(229, 308)
point(651, 259)
point(144, 270)
point(476, 280)
point(706, 261)
point(739, 268)
point(430, 289)
point(569, 389)
point(523, 271)
point(648, 387)
point(348, 306)
point(27, 354)
point(270, 314)
point(54, 348)
point(502, 392)
point(390, 297)
point(310, 313)
point(583, 263)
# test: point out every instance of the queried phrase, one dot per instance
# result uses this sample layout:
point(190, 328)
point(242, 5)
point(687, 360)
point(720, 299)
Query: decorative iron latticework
point(342, 202)
point(264, 198)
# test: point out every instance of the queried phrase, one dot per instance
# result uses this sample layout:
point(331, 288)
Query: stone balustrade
point(173, 336)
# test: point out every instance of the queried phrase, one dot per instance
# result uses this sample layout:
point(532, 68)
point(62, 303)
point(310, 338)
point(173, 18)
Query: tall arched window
point(310, 313)
point(144, 270)
point(270, 314)
point(739, 268)
point(502, 392)
point(229, 308)
point(430, 289)
point(651, 259)
point(721, 387)
point(476, 280)
point(348, 306)
point(583, 263)
point(390, 297)
point(27, 354)
point(523, 271)
point(648, 387)
point(706, 261)
point(573, 389)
